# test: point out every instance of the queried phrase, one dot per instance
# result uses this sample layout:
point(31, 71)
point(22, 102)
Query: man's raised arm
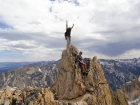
point(72, 26)
point(66, 24)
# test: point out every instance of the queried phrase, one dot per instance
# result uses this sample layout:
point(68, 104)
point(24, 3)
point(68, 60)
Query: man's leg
point(84, 65)
point(82, 68)
point(68, 41)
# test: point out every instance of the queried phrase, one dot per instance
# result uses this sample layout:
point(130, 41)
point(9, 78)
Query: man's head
point(80, 53)
point(69, 28)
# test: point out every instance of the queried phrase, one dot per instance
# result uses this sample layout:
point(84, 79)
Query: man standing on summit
point(67, 33)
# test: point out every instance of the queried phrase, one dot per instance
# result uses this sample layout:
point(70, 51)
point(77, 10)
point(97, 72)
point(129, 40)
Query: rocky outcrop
point(6, 96)
point(132, 90)
point(71, 86)
point(27, 96)
point(92, 89)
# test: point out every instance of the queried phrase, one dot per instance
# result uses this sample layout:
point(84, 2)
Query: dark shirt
point(68, 32)
point(79, 57)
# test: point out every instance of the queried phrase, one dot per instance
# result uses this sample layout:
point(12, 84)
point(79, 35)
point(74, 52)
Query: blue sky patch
point(76, 2)
point(4, 26)
point(70, 1)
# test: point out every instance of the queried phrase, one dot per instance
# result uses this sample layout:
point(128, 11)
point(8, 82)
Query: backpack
point(65, 35)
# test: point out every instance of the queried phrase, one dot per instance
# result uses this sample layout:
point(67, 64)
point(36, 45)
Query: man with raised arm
point(67, 34)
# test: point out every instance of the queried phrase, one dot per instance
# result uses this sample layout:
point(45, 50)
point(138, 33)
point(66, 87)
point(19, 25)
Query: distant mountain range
point(5, 66)
point(117, 72)
point(43, 74)
point(40, 74)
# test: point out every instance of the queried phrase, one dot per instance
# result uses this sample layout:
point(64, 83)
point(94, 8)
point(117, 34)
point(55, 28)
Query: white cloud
point(31, 22)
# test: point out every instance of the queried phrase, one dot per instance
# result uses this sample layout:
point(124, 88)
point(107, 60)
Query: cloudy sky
point(32, 30)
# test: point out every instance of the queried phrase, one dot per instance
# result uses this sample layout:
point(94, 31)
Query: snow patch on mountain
point(134, 102)
point(139, 78)
point(129, 82)
point(39, 70)
point(102, 63)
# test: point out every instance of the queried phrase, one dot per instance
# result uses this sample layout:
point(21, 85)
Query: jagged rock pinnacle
point(71, 84)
